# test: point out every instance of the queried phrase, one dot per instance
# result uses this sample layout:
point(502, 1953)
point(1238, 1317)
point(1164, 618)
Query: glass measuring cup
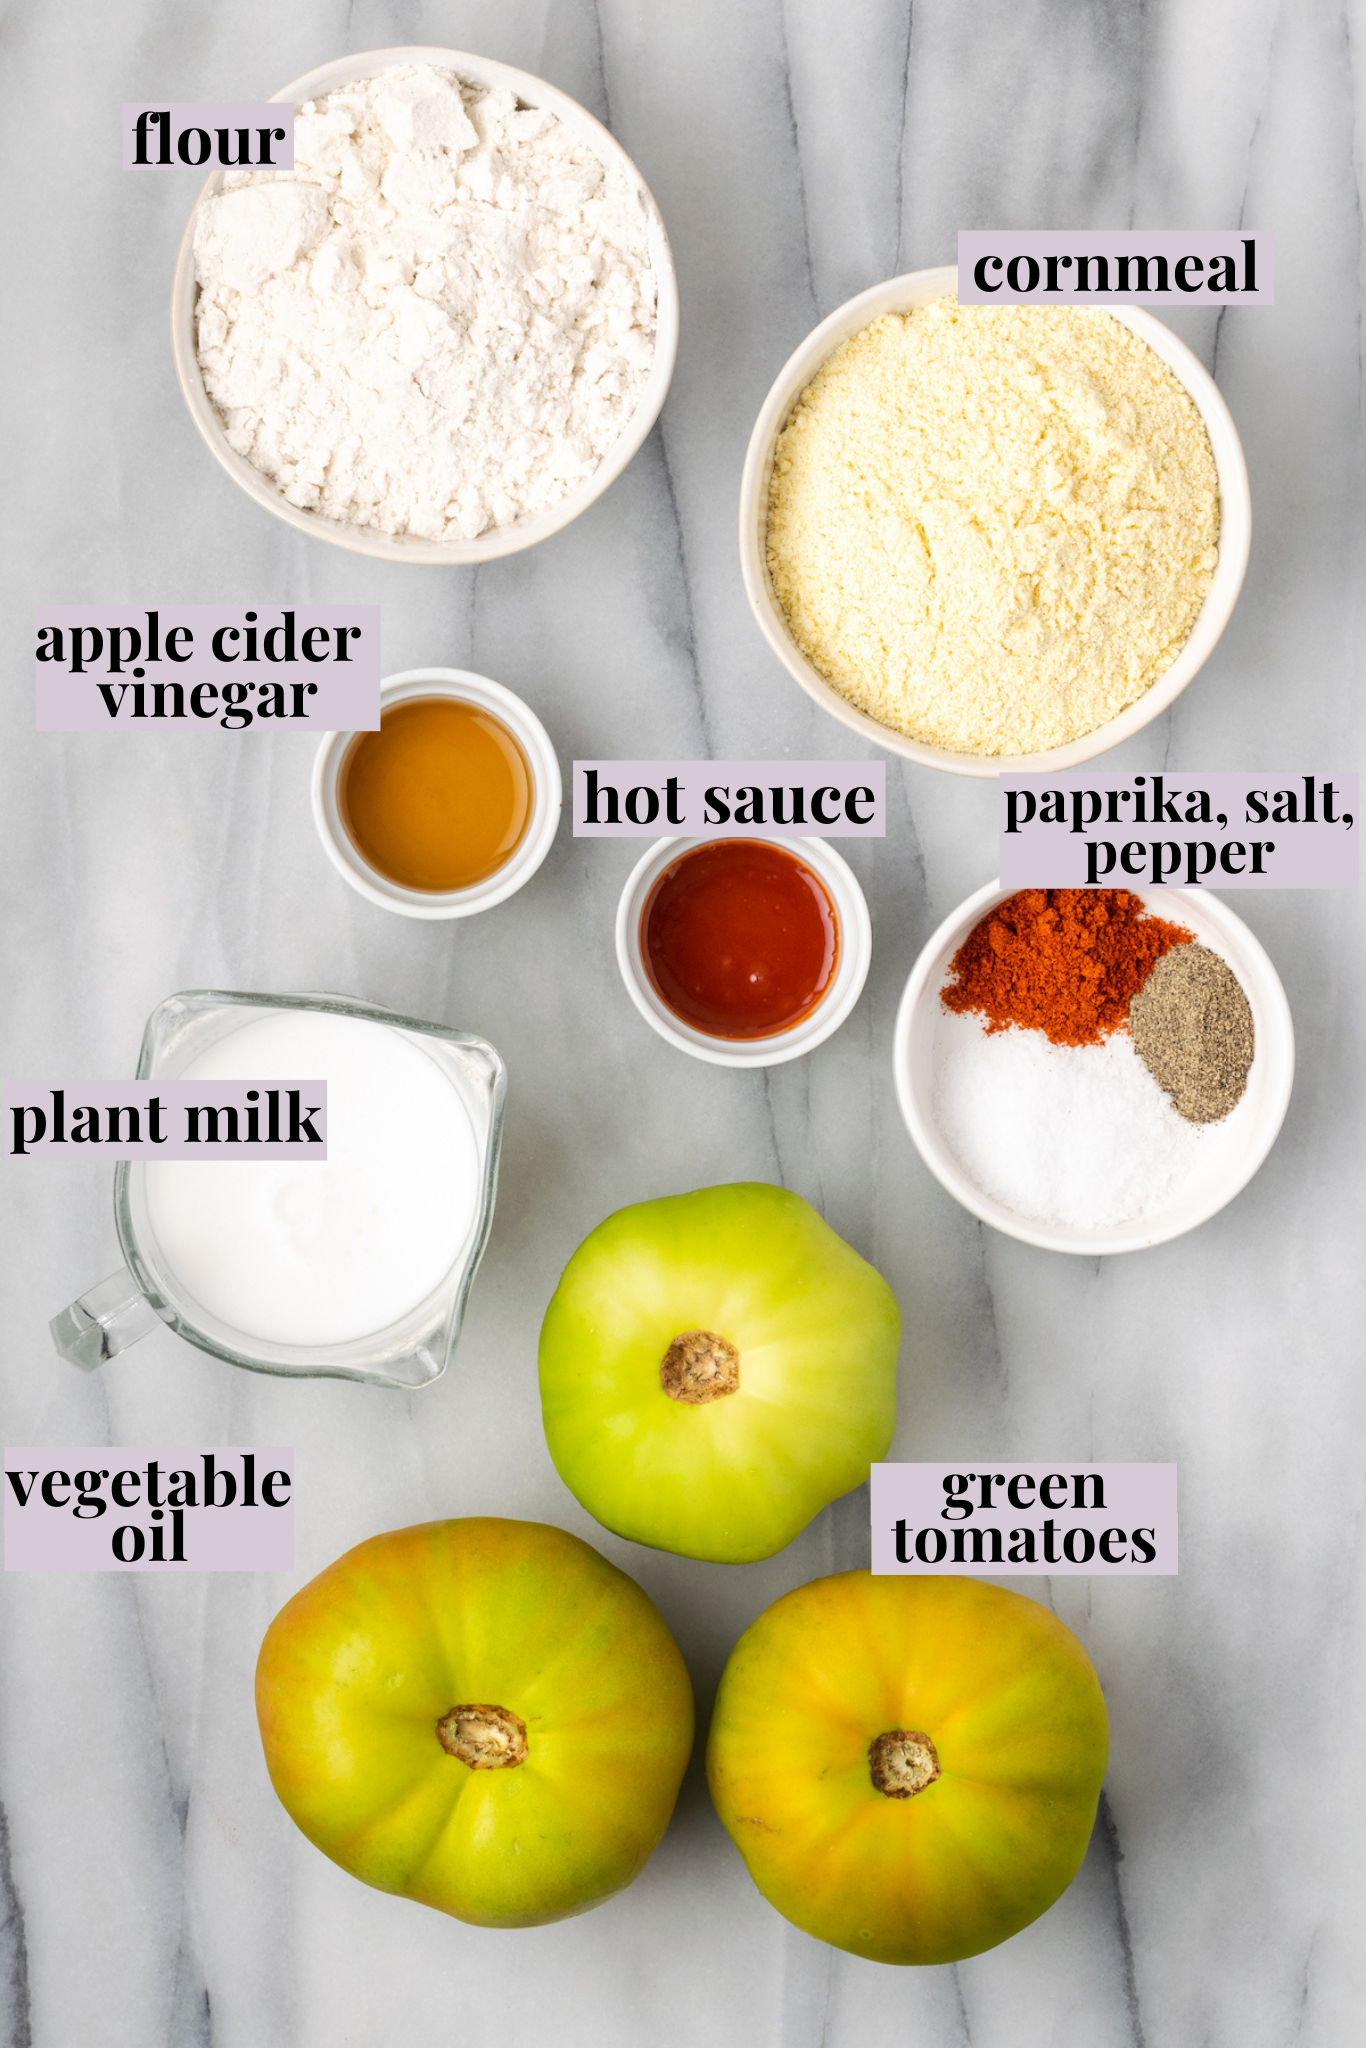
point(409, 1352)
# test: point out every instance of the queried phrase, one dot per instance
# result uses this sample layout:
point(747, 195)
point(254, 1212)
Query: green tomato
point(715, 1367)
point(909, 1767)
point(484, 1716)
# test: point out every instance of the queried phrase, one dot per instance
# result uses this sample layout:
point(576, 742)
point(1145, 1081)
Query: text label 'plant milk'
point(219, 1119)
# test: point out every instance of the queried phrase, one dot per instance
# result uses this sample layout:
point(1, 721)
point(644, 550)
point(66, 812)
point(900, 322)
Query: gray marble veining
point(151, 1889)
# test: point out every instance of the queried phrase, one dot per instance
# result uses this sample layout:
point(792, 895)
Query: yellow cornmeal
point(993, 530)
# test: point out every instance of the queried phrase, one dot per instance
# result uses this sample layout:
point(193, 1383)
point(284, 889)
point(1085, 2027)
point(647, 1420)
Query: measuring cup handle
point(103, 1320)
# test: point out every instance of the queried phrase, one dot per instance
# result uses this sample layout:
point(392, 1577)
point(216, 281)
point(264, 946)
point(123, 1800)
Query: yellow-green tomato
point(715, 1367)
point(909, 1766)
point(482, 1715)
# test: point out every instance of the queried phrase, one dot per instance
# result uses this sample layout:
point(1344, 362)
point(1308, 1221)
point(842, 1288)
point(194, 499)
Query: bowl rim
point(912, 290)
point(1275, 1044)
point(497, 541)
point(851, 971)
point(542, 824)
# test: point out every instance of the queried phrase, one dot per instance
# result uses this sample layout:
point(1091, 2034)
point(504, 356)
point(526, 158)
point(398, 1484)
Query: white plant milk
point(318, 1253)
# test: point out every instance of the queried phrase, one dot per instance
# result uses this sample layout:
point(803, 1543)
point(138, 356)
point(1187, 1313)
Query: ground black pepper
point(1192, 1027)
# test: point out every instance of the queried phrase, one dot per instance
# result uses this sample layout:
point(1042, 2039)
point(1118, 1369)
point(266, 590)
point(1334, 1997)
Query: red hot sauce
point(739, 938)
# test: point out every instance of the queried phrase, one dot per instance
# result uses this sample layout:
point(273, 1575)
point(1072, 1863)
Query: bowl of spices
point(1093, 1070)
point(444, 332)
point(992, 538)
point(743, 952)
point(450, 807)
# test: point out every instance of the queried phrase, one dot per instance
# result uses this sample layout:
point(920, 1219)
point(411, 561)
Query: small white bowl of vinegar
point(450, 807)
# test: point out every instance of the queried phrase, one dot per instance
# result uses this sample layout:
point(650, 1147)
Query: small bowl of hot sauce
point(744, 952)
point(450, 807)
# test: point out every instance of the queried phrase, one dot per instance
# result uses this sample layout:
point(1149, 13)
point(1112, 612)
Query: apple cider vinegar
point(438, 798)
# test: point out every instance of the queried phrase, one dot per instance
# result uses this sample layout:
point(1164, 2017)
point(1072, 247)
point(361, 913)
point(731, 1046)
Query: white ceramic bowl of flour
point(1225, 1155)
point(496, 540)
point(904, 295)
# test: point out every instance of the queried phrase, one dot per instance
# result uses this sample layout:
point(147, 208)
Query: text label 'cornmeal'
point(1115, 267)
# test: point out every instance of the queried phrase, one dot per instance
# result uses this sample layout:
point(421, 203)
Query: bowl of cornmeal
point(992, 538)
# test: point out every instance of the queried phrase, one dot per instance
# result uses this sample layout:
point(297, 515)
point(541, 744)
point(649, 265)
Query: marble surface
point(153, 1891)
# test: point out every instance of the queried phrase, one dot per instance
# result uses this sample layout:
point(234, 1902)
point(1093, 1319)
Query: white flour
point(439, 321)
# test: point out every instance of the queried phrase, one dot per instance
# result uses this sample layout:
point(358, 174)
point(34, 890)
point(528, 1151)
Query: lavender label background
point(209, 115)
point(346, 697)
point(235, 1538)
point(1136, 1497)
point(695, 778)
point(1112, 243)
point(177, 1099)
point(1320, 855)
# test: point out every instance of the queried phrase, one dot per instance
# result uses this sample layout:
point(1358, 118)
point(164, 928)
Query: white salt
point(1076, 1135)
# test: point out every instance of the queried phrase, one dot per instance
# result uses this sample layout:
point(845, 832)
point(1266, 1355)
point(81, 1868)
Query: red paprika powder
point(1061, 961)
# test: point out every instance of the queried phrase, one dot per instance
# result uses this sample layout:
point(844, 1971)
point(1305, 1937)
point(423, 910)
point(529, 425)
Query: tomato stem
point(485, 1738)
point(699, 1367)
point(902, 1762)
